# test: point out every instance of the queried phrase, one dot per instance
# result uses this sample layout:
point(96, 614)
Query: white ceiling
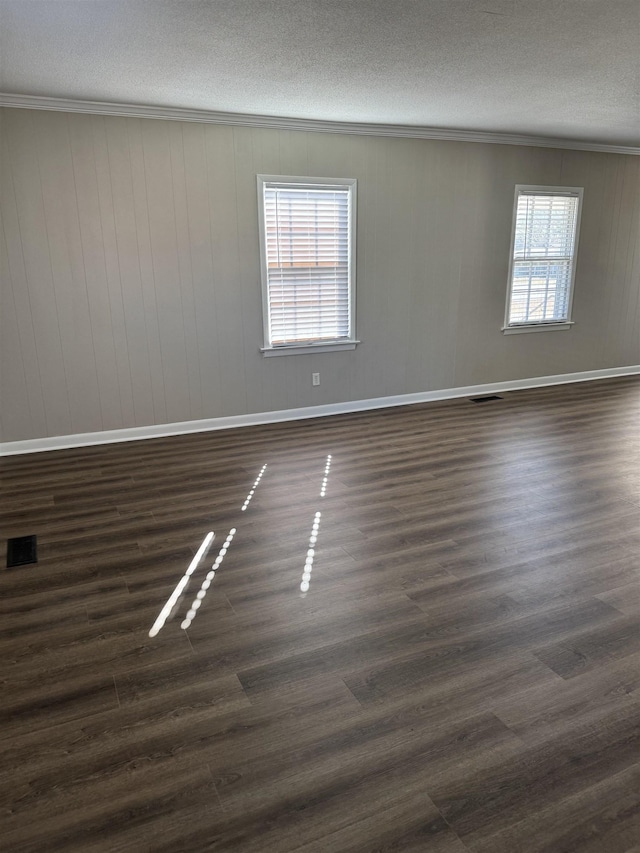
point(567, 69)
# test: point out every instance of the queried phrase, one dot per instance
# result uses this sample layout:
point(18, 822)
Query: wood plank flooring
point(461, 674)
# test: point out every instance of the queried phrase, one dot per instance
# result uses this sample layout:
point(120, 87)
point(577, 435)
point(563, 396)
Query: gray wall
point(130, 277)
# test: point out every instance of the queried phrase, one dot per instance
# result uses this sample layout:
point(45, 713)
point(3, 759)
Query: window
point(307, 247)
point(543, 251)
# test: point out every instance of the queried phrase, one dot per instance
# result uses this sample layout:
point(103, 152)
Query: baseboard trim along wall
point(61, 442)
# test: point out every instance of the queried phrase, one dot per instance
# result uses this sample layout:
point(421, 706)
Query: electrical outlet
point(315, 378)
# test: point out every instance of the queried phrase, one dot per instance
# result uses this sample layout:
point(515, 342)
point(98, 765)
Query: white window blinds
point(542, 268)
point(307, 246)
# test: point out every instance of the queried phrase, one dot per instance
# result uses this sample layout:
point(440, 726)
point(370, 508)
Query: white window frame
point(298, 348)
point(541, 325)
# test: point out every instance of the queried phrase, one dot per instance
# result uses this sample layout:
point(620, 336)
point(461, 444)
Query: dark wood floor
point(463, 673)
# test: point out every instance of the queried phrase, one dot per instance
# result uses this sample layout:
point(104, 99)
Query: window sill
point(536, 327)
point(302, 349)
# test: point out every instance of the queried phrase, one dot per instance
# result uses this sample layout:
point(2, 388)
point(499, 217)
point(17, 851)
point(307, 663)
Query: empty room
point(320, 426)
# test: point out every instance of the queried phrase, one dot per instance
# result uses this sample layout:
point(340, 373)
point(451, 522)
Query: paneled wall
point(130, 275)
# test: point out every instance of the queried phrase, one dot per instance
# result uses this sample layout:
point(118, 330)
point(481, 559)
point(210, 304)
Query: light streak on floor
point(158, 625)
point(206, 583)
point(313, 538)
point(323, 488)
point(308, 563)
point(253, 488)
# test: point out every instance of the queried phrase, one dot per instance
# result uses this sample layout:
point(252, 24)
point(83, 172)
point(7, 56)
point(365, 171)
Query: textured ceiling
point(560, 68)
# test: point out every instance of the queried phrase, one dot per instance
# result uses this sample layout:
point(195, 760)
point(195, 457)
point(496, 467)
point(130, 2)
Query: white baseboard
point(61, 442)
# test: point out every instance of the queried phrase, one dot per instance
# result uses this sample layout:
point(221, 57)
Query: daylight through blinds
point(307, 254)
point(545, 233)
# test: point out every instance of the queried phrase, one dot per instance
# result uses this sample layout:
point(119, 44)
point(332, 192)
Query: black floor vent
point(486, 398)
point(21, 551)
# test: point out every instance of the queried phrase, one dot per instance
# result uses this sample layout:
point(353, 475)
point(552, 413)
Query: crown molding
point(36, 102)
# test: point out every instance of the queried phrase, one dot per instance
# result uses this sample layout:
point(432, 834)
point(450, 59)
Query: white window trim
point(300, 349)
point(547, 326)
point(308, 346)
point(543, 325)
